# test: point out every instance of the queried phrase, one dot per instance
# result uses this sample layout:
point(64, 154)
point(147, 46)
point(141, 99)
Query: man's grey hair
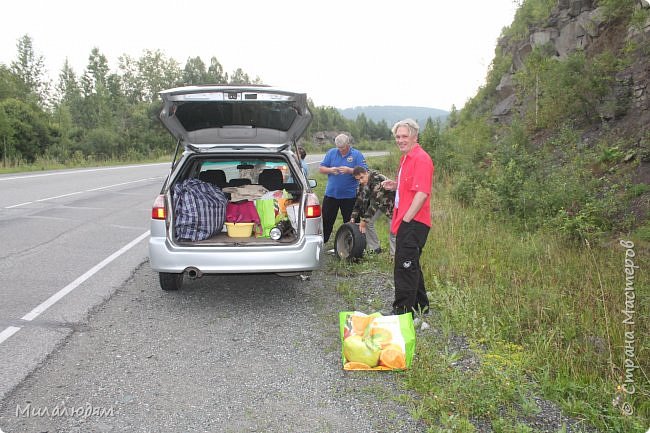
point(411, 124)
point(342, 140)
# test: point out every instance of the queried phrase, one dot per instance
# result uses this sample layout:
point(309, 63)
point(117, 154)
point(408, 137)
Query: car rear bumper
point(302, 256)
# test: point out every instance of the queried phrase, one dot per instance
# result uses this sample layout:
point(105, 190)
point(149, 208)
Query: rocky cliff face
point(580, 25)
point(623, 116)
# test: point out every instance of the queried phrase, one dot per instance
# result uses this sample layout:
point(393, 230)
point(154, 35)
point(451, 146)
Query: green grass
point(493, 388)
point(541, 316)
point(559, 301)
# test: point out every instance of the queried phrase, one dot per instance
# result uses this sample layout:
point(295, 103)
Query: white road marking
point(18, 205)
point(59, 196)
point(81, 192)
point(45, 217)
point(88, 170)
point(123, 183)
point(8, 333)
point(11, 330)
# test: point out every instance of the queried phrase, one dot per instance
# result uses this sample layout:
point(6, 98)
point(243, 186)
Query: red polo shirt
point(415, 174)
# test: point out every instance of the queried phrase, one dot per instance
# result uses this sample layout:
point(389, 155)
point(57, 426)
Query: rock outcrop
point(577, 25)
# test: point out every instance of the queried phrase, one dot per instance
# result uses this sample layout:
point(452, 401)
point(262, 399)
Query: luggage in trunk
point(199, 210)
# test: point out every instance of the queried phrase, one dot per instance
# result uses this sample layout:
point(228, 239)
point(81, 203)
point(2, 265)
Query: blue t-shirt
point(342, 185)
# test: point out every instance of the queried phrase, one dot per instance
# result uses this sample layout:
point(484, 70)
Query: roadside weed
point(560, 304)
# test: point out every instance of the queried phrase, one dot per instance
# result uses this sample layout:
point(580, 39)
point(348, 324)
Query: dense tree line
point(102, 114)
point(362, 128)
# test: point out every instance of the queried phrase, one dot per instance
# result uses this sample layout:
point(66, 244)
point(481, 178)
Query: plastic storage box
point(239, 230)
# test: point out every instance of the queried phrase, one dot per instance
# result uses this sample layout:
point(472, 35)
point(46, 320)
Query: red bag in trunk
point(243, 212)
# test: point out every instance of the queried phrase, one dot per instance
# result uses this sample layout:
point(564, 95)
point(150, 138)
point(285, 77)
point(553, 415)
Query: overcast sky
point(342, 53)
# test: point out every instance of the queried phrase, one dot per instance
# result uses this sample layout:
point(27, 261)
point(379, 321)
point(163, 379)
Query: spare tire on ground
point(349, 242)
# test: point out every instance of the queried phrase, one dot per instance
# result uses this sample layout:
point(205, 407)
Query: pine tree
point(30, 68)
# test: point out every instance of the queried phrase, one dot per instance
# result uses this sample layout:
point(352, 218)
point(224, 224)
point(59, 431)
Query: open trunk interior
point(249, 178)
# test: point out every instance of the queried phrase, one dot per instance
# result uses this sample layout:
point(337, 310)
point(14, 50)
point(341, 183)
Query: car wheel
point(170, 281)
point(349, 242)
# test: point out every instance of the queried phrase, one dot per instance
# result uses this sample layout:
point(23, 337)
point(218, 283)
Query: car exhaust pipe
point(193, 273)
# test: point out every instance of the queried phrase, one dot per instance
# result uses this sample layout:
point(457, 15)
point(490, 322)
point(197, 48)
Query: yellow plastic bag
point(376, 342)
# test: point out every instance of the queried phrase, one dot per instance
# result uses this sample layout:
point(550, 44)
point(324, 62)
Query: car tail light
point(159, 211)
point(313, 211)
point(312, 207)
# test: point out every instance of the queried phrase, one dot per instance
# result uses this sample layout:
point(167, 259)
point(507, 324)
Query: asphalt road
point(73, 234)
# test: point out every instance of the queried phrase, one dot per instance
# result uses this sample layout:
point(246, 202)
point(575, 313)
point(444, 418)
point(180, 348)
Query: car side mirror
point(312, 183)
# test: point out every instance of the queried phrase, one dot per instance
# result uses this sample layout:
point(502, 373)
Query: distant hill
point(392, 114)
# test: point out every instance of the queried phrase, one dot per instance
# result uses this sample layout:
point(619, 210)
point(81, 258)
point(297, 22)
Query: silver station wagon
point(239, 139)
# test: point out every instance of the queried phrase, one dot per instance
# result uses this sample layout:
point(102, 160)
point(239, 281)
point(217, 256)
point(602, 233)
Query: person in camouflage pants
point(372, 201)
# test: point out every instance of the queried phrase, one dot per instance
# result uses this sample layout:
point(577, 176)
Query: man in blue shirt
point(341, 190)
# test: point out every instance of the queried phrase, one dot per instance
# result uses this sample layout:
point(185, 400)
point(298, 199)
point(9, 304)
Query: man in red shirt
point(411, 218)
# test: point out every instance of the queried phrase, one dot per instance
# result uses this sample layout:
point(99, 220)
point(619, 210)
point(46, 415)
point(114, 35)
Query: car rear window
point(197, 115)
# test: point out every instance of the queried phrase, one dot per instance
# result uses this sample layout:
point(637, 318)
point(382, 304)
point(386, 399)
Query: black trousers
point(330, 210)
point(410, 293)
